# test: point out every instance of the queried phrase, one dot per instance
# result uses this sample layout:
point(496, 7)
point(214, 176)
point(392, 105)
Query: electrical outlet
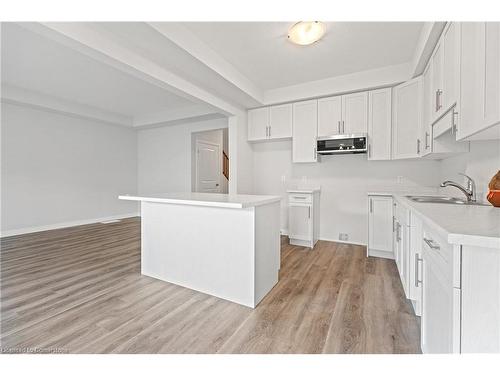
point(343, 237)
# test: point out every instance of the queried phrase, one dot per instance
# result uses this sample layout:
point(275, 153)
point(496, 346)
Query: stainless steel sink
point(441, 199)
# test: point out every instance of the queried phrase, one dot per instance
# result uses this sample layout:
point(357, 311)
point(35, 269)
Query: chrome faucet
point(469, 191)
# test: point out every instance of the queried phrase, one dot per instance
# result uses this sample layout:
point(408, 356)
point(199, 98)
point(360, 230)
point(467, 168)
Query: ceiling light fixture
point(306, 32)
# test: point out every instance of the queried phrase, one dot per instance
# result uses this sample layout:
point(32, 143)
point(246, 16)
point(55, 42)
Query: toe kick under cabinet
point(303, 217)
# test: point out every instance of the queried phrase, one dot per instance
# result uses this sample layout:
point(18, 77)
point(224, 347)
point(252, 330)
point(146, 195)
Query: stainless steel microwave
point(342, 144)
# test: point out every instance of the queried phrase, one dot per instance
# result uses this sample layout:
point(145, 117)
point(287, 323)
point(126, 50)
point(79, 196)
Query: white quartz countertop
point(461, 224)
point(206, 199)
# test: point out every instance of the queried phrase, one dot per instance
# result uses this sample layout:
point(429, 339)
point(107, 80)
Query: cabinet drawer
point(300, 198)
point(439, 250)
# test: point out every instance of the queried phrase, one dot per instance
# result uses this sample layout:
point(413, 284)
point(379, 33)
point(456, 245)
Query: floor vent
point(110, 221)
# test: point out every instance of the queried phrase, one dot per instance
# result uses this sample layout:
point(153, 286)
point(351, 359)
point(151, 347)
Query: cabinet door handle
point(315, 155)
point(269, 131)
point(369, 150)
point(393, 224)
point(417, 261)
point(418, 146)
point(436, 101)
point(339, 126)
point(309, 212)
point(343, 127)
point(431, 244)
point(427, 140)
point(371, 205)
point(440, 95)
point(398, 232)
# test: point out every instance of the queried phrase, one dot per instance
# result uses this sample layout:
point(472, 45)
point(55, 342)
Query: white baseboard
point(15, 232)
point(284, 232)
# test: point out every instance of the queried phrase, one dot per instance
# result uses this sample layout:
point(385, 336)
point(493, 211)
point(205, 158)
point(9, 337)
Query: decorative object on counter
point(494, 193)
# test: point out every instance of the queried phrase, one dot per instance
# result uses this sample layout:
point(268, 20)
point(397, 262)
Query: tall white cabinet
point(304, 134)
point(379, 124)
point(407, 98)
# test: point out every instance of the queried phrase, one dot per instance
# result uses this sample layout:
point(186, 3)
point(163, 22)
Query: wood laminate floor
point(79, 290)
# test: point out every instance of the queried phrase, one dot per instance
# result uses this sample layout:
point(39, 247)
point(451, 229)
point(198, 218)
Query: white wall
point(164, 156)
point(60, 169)
point(481, 163)
point(344, 181)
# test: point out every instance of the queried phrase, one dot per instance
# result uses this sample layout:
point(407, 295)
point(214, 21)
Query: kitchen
point(352, 207)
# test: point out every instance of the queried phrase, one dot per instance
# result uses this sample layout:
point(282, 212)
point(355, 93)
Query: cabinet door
point(407, 119)
point(437, 81)
point(451, 66)
point(479, 77)
point(415, 260)
point(305, 121)
point(258, 122)
point(379, 124)
point(280, 121)
point(437, 310)
point(380, 226)
point(299, 222)
point(491, 93)
point(355, 113)
point(427, 107)
point(403, 246)
point(329, 116)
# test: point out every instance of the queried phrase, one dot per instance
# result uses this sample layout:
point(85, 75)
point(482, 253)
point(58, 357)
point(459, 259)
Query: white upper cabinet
point(355, 113)
point(258, 123)
point(280, 121)
point(273, 122)
point(329, 116)
point(344, 114)
point(480, 81)
point(451, 66)
point(379, 124)
point(437, 81)
point(305, 122)
point(427, 106)
point(407, 119)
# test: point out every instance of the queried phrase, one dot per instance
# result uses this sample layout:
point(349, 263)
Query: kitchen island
point(224, 245)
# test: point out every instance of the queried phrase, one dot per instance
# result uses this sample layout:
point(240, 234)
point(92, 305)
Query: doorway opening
point(210, 161)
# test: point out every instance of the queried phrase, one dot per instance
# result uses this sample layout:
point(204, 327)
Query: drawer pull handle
point(431, 244)
point(299, 197)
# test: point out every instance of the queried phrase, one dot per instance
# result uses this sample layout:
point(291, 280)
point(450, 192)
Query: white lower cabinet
point(437, 315)
point(402, 245)
point(380, 226)
point(415, 263)
point(303, 218)
point(440, 328)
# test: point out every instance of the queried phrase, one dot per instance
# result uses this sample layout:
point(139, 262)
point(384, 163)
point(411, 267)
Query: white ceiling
point(33, 62)
point(261, 51)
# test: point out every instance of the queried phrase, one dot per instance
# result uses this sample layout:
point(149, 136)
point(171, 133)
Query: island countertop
point(206, 199)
